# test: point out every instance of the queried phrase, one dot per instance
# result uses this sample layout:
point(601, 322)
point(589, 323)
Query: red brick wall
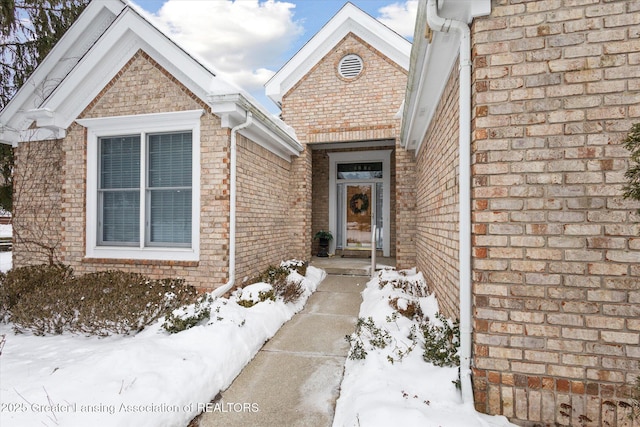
point(556, 260)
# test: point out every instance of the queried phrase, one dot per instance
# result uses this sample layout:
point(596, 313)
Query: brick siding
point(36, 203)
point(556, 264)
point(143, 87)
point(264, 228)
point(436, 238)
point(326, 108)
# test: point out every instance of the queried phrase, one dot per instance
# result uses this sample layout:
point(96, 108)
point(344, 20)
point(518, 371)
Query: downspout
point(440, 24)
point(232, 208)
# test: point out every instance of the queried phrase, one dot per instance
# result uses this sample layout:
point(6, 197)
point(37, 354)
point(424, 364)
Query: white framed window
point(143, 186)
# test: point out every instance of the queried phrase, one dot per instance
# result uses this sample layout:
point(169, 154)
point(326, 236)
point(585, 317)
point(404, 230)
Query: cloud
point(400, 17)
point(241, 40)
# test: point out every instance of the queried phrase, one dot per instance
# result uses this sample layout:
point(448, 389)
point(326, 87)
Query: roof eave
point(431, 65)
point(266, 130)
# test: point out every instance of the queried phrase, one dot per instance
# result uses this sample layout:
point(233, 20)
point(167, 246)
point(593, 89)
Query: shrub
point(408, 308)
point(50, 300)
point(183, 318)
point(278, 277)
point(120, 302)
point(262, 296)
point(20, 282)
point(632, 143)
point(297, 265)
point(366, 333)
point(441, 343)
point(635, 400)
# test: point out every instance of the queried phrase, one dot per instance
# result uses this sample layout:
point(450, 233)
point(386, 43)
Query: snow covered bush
point(187, 317)
point(284, 286)
point(283, 282)
point(441, 341)
point(51, 300)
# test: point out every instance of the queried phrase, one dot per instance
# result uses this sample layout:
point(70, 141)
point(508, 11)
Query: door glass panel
point(358, 206)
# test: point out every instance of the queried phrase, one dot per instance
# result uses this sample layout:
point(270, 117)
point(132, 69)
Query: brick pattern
point(36, 203)
point(323, 107)
point(263, 225)
point(436, 238)
point(556, 258)
point(405, 215)
point(264, 187)
point(326, 108)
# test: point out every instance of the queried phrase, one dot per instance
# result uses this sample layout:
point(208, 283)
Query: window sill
point(141, 255)
point(152, 262)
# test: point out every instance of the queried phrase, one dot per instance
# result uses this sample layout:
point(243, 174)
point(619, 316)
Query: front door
point(359, 206)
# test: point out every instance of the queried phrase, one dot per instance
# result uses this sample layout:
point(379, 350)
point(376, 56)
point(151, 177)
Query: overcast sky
point(247, 41)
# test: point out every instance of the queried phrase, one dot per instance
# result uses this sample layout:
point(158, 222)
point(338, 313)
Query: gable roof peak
point(349, 19)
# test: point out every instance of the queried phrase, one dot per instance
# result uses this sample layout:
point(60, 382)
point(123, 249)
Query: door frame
point(383, 156)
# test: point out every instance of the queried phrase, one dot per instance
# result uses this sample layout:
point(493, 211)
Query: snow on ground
point(377, 392)
point(6, 230)
point(6, 261)
point(151, 379)
point(157, 379)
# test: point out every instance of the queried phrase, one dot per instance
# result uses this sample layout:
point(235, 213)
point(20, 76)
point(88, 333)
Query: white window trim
point(383, 156)
point(141, 124)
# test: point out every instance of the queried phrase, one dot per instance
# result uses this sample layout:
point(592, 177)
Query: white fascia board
point(266, 130)
point(431, 66)
point(62, 58)
point(115, 48)
point(349, 19)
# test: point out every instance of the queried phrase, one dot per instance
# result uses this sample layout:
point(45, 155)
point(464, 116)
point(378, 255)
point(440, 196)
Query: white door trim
point(383, 156)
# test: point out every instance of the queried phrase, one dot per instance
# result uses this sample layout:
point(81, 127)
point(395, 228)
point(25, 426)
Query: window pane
point(170, 160)
point(170, 220)
point(120, 162)
point(119, 190)
point(169, 188)
point(360, 170)
point(120, 217)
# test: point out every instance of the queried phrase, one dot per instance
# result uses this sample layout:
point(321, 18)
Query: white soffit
point(350, 19)
point(64, 56)
point(431, 66)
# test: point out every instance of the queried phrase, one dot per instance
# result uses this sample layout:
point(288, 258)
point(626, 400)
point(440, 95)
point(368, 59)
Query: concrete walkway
point(294, 380)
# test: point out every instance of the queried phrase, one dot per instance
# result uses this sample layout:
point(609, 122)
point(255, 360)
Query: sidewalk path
point(294, 380)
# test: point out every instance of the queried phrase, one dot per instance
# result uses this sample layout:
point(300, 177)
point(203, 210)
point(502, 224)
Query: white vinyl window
point(143, 186)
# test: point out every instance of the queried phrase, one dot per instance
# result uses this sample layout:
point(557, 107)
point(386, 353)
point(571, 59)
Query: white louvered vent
point(350, 66)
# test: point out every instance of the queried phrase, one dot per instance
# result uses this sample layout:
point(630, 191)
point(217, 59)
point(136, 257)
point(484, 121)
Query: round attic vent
point(350, 66)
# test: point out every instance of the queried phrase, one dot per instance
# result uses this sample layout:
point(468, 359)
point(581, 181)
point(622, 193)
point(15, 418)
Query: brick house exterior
point(554, 246)
point(346, 119)
point(126, 80)
point(554, 249)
